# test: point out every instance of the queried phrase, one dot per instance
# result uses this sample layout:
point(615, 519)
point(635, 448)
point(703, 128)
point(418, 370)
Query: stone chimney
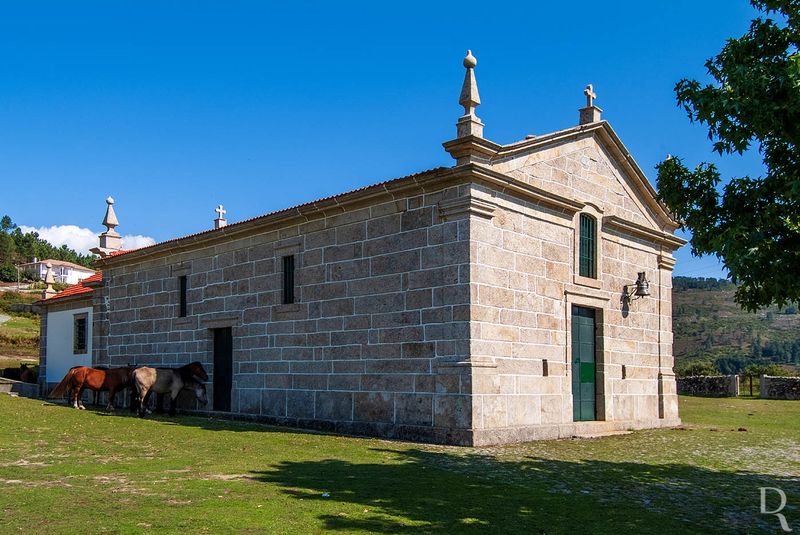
point(49, 280)
point(591, 113)
point(220, 221)
point(110, 240)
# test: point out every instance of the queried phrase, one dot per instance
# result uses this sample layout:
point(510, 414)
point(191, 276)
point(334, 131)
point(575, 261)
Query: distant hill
point(709, 326)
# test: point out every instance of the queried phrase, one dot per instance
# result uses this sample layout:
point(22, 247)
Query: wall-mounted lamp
point(638, 291)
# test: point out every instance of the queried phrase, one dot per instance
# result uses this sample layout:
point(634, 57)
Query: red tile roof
point(285, 210)
point(77, 289)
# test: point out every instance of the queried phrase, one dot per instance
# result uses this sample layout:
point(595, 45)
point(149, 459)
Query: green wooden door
point(583, 363)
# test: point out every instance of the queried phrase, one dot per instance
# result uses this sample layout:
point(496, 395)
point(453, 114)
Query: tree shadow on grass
point(442, 492)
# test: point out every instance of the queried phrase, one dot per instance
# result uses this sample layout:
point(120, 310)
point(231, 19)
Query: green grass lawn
point(19, 340)
point(68, 471)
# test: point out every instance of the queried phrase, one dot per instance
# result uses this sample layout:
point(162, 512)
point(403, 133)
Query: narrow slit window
point(588, 247)
point(79, 338)
point(182, 287)
point(288, 279)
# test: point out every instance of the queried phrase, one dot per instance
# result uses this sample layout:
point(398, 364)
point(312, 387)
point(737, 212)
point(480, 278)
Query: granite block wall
point(372, 343)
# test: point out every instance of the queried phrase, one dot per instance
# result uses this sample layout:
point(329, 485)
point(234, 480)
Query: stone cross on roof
point(591, 113)
point(590, 95)
point(220, 221)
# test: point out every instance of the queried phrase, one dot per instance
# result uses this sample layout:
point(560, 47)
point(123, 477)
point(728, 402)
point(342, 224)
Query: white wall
point(73, 276)
point(60, 330)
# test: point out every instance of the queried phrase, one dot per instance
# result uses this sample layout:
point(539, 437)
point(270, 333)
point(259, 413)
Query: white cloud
point(82, 239)
point(136, 241)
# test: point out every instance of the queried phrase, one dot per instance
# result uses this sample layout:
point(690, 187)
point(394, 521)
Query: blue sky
point(175, 107)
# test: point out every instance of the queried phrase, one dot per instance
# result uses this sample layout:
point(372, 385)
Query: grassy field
point(68, 471)
point(19, 340)
point(19, 336)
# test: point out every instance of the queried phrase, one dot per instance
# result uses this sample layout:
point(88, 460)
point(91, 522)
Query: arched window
point(588, 247)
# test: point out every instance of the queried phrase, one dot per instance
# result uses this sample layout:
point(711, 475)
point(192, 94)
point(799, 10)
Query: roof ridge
point(290, 208)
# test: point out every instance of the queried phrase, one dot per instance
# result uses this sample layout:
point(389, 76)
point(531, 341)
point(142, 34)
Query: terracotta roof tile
point(77, 289)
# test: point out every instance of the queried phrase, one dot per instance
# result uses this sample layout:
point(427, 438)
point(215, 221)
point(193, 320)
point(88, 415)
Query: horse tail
point(58, 391)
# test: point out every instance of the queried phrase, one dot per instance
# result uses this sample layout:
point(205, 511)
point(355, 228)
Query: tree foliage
point(694, 369)
point(751, 223)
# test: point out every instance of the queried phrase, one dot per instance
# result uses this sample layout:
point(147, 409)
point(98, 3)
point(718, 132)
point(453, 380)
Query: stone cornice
point(450, 209)
point(384, 192)
point(666, 262)
point(86, 296)
point(521, 189)
point(470, 149)
point(662, 238)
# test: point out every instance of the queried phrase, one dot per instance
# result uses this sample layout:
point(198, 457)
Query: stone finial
point(469, 124)
point(49, 280)
point(220, 221)
point(110, 240)
point(110, 220)
point(591, 113)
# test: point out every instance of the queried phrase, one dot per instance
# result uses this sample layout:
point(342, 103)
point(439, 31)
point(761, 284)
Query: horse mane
point(186, 373)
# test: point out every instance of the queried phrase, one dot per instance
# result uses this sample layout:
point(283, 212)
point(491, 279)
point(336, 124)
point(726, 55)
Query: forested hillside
point(710, 327)
point(17, 247)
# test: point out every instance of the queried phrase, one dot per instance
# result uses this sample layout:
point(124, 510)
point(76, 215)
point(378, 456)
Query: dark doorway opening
point(223, 368)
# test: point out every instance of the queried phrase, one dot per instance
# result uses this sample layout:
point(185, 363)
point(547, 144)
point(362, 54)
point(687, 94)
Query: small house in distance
point(63, 271)
point(523, 293)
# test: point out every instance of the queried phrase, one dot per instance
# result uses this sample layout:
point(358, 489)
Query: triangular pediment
point(589, 165)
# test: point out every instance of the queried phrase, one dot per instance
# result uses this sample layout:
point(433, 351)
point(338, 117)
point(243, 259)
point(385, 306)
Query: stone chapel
point(523, 293)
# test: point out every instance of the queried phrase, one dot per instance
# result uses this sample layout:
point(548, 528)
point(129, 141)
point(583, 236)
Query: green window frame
point(588, 247)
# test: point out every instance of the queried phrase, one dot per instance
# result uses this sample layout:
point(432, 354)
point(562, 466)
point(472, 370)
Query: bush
point(11, 298)
point(731, 365)
point(8, 273)
point(694, 369)
point(757, 370)
point(29, 275)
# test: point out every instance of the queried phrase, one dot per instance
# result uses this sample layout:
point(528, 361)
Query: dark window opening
point(182, 285)
point(588, 247)
point(79, 337)
point(288, 279)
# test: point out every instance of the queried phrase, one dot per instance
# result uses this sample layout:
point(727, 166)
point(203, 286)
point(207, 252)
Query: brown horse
point(81, 377)
point(27, 375)
point(23, 373)
point(169, 380)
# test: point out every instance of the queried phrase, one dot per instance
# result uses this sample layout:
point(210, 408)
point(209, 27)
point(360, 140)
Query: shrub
point(29, 275)
point(757, 370)
point(696, 368)
point(8, 273)
point(11, 298)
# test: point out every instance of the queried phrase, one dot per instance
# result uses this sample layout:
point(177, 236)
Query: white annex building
point(62, 271)
point(522, 293)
